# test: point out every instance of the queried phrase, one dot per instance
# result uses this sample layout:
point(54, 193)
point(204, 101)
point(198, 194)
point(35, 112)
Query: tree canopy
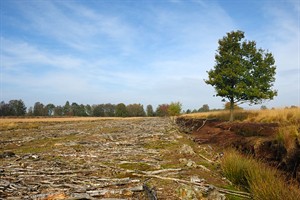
point(243, 72)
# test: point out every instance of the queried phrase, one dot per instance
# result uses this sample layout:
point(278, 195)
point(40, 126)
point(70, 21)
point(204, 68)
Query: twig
point(221, 190)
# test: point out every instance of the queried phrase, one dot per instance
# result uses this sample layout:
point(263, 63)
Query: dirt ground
point(132, 158)
point(256, 139)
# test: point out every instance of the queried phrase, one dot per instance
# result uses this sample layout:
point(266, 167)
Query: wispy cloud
point(133, 51)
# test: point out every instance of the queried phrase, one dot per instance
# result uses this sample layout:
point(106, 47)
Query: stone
point(186, 149)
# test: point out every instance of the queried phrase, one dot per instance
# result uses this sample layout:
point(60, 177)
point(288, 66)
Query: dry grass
point(60, 119)
point(282, 116)
point(262, 181)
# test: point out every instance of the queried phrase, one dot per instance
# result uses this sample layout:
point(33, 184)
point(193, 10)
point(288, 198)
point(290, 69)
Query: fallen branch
point(203, 185)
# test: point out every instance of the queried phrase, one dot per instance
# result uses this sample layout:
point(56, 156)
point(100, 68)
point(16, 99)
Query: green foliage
point(162, 110)
point(242, 72)
point(135, 110)
point(121, 110)
point(204, 108)
point(150, 112)
point(13, 108)
point(174, 109)
point(39, 109)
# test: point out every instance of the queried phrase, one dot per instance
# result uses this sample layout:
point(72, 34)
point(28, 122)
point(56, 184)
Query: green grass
point(263, 182)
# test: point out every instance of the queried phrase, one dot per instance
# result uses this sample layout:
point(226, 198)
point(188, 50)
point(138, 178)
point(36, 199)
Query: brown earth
point(257, 139)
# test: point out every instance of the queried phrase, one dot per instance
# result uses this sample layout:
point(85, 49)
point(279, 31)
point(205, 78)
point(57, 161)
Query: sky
point(138, 51)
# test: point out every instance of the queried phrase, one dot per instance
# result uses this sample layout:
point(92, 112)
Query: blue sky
point(137, 51)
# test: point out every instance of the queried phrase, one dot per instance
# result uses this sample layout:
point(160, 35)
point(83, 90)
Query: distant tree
point(162, 110)
point(82, 111)
point(88, 110)
point(17, 107)
point(242, 72)
point(227, 106)
point(67, 111)
point(109, 110)
point(50, 109)
point(5, 109)
point(135, 110)
point(188, 111)
point(174, 109)
point(263, 107)
point(58, 111)
point(98, 110)
point(30, 111)
point(194, 111)
point(150, 112)
point(204, 108)
point(39, 109)
point(121, 110)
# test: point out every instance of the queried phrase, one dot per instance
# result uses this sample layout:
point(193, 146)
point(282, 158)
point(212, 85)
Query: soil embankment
point(257, 139)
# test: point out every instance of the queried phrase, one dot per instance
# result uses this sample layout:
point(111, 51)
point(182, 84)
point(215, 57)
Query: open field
point(96, 158)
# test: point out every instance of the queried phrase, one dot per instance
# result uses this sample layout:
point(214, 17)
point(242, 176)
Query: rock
point(186, 149)
point(215, 195)
point(7, 154)
point(191, 163)
point(186, 192)
point(196, 179)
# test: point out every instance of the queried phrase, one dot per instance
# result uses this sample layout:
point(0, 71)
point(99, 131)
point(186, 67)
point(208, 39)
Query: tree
point(121, 110)
point(88, 110)
point(5, 109)
point(135, 110)
point(150, 112)
point(162, 110)
point(58, 111)
point(17, 107)
point(109, 110)
point(227, 106)
point(50, 109)
point(39, 109)
point(98, 110)
point(174, 109)
point(263, 107)
point(204, 108)
point(67, 111)
point(242, 72)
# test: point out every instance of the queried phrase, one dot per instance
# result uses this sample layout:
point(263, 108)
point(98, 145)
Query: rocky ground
point(138, 158)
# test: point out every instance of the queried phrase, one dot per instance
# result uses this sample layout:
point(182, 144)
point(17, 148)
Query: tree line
point(18, 108)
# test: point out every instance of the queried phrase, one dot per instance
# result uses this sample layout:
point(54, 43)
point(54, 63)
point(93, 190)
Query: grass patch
point(262, 181)
point(140, 166)
point(160, 145)
point(18, 125)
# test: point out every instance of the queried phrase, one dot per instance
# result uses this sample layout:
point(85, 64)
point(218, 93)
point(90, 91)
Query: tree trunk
point(231, 110)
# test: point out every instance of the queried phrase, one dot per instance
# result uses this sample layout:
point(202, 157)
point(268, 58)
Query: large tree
point(242, 73)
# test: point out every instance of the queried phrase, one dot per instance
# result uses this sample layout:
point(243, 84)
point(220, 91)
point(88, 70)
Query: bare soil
point(133, 158)
point(256, 139)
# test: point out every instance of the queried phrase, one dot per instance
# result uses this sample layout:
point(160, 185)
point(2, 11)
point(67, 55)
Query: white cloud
point(154, 54)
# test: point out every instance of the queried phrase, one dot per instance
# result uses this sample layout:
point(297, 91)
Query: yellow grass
point(282, 116)
point(34, 123)
point(60, 119)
